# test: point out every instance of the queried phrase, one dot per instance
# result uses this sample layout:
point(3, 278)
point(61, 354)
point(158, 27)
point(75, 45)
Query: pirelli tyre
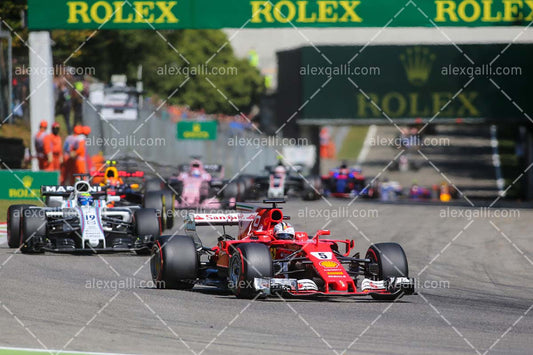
point(248, 261)
point(147, 227)
point(174, 262)
point(169, 210)
point(152, 185)
point(391, 262)
point(33, 230)
point(154, 199)
point(312, 188)
point(14, 215)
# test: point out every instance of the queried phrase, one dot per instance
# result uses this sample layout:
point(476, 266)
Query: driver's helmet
point(196, 172)
point(284, 231)
point(85, 199)
point(279, 170)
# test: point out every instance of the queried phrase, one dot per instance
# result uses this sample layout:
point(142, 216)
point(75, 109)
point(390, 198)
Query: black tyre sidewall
point(153, 199)
point(14, 214)
point(393, 265)
point(174, 263)
point(32, 225)
point(147, 222)
point(255, 261)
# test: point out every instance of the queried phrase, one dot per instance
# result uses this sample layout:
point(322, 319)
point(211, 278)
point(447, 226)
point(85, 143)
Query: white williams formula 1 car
point(77, 219)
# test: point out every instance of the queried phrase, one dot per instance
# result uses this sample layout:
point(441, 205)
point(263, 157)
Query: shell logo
point(329, 264)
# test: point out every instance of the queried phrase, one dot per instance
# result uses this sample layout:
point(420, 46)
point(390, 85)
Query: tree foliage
point(193, 55)
point(179, 66)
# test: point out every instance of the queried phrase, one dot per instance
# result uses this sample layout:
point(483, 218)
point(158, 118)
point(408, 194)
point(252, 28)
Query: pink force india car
point(201, 186)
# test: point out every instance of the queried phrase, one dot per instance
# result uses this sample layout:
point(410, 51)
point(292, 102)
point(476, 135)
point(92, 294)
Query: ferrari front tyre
point(174, 262)
point(391, 262)
point(14, 216)
point(247, 262)
point(33, 228)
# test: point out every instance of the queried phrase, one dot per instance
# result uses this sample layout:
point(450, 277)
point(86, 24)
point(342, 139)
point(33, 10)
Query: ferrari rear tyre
point(14, 215)
point(247, 262)
point(174, 263)
point(391, 261)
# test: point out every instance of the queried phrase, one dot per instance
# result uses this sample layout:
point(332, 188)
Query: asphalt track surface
point(48, 300)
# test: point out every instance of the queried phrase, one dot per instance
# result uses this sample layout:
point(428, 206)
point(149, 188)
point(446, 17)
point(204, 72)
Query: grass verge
point(353, 143)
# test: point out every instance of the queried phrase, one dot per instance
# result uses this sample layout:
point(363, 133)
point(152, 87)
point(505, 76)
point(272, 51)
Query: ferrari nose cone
point(341, 286)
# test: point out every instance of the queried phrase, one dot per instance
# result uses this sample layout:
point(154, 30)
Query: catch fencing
point(151, 140)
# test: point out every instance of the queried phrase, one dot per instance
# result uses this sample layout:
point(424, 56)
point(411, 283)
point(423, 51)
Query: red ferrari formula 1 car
point(259, 262)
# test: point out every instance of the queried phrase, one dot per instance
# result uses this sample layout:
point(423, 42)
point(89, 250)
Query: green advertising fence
point(25, 184)
point(150, 14)
point(202, 130)
point(477, 82)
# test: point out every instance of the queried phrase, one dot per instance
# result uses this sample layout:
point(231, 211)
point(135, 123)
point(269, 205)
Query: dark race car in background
point(133, 189)
point(283, 182)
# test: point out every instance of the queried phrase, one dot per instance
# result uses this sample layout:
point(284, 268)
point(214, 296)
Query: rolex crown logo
point(196, 127)
point(417, 62)
point(27, 181)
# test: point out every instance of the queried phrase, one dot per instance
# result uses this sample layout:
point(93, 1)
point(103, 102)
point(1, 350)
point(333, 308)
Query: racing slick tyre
point(14, 215)
point(312, 188)
point(147, 223)
point(231, 190)
point(247, 262)
point(168, 203)
point(33, 228)
point(174, 262)
point(154, 199)
point(152, 185)
point(391, 262)
point(248, 181)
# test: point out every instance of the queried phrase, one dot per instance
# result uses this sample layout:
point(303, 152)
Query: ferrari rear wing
point(216, 219)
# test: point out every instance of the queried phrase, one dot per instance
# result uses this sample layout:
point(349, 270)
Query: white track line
point(58, 351)
point(500, 182)
point(366, 144)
